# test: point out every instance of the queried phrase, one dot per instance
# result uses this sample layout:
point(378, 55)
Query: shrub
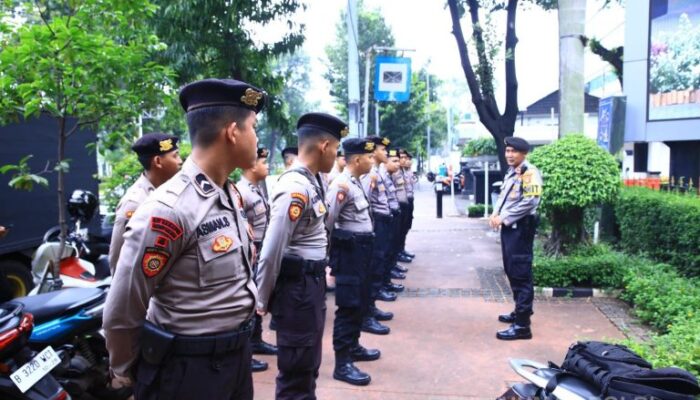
point(484, 146)
point(477, 210)
point(665, 226)
point(680, 347)
point(591, 266)
point(577, 174)
point(660, 296)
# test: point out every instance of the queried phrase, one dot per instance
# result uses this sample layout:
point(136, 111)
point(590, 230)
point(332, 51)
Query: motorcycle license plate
point(30, 373)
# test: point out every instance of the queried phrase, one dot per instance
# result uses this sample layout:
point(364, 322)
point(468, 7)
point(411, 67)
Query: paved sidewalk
point(443, 344)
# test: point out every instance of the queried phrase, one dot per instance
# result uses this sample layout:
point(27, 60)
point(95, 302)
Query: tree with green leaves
point(86, 64)
point(577, 174)
point(216, 39)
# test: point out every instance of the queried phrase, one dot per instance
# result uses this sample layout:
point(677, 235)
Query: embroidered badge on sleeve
point(294, 211)
point(153, 261)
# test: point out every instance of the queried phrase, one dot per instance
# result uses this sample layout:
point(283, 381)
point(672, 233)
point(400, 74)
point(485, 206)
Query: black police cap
point(405, 153)
point(290, 150)
point(357, 146)
point(517, 143)
point(155, 144)
point(313, 123)
point(221, 92)
point(378, 140)
point(262, 152)
point(393, 153)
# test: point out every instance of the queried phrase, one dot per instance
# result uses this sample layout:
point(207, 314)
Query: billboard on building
point(674, 60)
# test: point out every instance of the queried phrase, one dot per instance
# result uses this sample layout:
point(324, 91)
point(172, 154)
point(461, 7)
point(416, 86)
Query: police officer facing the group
point(374, 186)
point(159, 155)
point(257, 212)
point(350, 223)
point(515, 214)
point(179, 313)
point(294, 257)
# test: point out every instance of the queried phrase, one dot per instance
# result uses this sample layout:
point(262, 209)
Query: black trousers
point(256, 336)
point(350, 261)
point(406, 220)
point(299, 310)
point(517, 247)
point(380, 252)
point(225, 376)
point(394, 240)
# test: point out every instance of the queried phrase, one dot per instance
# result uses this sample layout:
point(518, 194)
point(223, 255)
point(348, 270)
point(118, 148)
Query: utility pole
point(572, 17)
point(353, 71)
point(427, 92)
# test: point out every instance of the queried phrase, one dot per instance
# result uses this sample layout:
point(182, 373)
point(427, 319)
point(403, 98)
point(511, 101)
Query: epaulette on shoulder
point(172, 190)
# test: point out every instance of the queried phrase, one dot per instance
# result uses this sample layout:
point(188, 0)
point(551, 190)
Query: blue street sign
point(392, 79)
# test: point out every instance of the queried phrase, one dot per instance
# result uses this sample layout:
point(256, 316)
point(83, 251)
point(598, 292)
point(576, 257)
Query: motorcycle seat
point(570, 382)
point(52, 305)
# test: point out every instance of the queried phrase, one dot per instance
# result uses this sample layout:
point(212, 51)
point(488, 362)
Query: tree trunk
point(61, 200)
point(499, 125)
point(568, 231)
point(572, 17)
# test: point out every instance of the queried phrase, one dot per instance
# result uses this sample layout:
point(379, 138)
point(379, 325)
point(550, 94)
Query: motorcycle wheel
point(18, 277)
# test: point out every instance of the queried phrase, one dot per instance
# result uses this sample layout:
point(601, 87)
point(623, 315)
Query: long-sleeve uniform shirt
point(520, 194)
point(349, 207)
point(373, 184)
point(296, 227)
point(410, 182)
point(400, 184)
point(134, 197)
point(185, 266)
point(255, 205)
point(390, 188)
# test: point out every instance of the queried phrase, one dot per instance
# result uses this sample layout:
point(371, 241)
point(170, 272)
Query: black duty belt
point(295, 266)
point(213, 344)
point(381, 217)
point(357, 237)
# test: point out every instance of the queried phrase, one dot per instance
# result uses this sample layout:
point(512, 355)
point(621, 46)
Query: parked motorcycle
point(24, 374)
point(75, 269)
point(70, 321)
point(569, 387)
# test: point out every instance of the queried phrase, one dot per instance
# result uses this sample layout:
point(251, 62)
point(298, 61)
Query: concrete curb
point(577, 292)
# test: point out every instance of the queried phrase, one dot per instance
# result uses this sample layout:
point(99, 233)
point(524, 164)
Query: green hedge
point(591, 266)
point(477, 210)
point(670, 303)
point(664, 226)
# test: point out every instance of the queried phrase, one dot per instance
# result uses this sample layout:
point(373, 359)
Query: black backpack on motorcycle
point(621, 374)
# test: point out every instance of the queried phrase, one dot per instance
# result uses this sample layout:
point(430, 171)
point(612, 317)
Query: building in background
point(662, 88)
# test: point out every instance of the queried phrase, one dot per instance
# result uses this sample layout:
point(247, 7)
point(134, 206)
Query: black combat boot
point(507, 318)
point(397, 275)
point(359, 353)
point(383, 295)
point(400, 268)
point(258, 365)
point(404, 258)
point(346, 371)
point(515, 332)
point(262, 347)
point(380, 315)
point(394, 287)
point(371, 325)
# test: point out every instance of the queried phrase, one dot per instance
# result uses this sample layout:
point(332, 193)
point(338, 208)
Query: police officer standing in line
point(294, 257)
point(515, 214)
point(409, 179)
point(257, 212)
point(159, 155)
point(350, 223)
point(179, 313)
point(391, 270)
point(402, 195)
point(289, 155)
point(340, 163)
point(375, 188)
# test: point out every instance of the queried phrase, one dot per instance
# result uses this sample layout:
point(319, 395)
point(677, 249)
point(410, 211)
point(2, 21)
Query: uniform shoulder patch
point(170, 229)
point(340, 197)
point(295, 209)
point(300, 196)
point(153, 261)
point(205, 187)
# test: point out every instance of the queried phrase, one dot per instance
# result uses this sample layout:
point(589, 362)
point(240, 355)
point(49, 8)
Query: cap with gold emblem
point(357, 146)
point(155, 144)
point(221, 92)
point(263, 152)
point(393, 153)
point(518, 144)
point(314, 123)
point(379, 140)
